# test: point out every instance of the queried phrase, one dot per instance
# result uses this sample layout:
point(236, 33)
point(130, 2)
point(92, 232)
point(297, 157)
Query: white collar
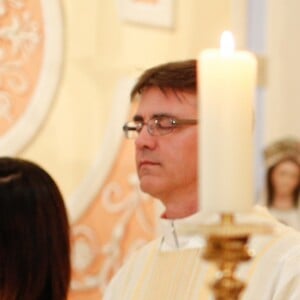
point(173, 240)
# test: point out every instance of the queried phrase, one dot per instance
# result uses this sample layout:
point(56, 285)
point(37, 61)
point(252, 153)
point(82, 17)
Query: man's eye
point(165, 122)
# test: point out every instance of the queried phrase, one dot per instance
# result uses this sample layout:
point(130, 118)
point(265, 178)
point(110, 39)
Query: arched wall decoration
point(31, 58)
point(83, 196)
point(126, 210)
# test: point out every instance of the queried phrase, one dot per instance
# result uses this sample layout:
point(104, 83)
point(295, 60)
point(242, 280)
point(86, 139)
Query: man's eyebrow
point(138, 118)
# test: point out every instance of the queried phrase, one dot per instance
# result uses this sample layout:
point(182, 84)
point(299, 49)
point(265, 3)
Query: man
point(171, 267)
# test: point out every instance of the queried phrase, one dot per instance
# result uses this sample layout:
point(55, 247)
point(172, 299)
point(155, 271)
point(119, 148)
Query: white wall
point(283, 87)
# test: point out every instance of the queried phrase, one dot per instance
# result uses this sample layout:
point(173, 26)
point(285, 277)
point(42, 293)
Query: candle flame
point(227, 43)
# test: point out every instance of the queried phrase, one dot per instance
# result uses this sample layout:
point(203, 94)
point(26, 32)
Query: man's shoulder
point(282, 242)
point(148, 247)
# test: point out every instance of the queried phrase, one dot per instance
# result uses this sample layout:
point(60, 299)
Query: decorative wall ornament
point(148, 12)
point(20, 37)
point(87, 249)
point(30, 61)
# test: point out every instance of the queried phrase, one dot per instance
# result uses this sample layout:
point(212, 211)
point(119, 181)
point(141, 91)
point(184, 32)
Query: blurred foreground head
point(34, 234)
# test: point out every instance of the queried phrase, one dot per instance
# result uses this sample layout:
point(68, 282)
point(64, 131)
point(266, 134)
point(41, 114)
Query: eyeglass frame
point(153, 125)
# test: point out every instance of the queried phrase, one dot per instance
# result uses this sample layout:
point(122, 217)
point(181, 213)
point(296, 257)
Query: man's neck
point(180, 210)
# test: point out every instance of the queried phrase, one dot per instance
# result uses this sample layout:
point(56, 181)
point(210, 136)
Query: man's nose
point(145, 139)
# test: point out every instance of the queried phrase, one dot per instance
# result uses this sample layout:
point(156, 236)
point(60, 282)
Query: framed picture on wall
point(148, 12)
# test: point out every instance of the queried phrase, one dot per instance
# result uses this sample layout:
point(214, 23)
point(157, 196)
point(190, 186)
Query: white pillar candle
point(226, 80)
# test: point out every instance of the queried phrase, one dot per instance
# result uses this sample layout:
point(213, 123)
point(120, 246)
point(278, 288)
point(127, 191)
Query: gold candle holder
point(227, 247)
point(227, 251)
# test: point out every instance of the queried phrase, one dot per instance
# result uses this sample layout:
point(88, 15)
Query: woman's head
point(282, 158)
point(283, 181)
point(34, 233)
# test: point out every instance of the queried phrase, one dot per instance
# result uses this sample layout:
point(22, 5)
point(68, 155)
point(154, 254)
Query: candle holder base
point(227, 253)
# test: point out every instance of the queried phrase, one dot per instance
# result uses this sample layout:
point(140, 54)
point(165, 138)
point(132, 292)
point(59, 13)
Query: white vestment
point(290, 217)
point(172, 268)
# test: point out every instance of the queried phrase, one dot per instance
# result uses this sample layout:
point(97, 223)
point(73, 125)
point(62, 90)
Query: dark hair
point(270, 188)
point(177, 76)
point(34, 234)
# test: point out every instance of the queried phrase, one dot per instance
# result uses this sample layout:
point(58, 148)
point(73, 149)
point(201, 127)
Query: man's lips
point(145, 163)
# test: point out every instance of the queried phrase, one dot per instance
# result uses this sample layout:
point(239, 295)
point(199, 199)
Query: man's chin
point(149, 187)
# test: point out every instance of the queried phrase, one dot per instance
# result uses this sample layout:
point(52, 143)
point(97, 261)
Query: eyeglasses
point(158, 125)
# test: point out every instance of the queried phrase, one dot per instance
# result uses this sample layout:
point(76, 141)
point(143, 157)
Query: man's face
point(167, 165)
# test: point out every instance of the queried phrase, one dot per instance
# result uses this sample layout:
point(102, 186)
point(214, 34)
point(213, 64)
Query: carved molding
point(28, 30)
point(86, 247)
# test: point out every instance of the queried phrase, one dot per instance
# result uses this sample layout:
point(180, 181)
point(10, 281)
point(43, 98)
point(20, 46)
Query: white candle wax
point(226, 116)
